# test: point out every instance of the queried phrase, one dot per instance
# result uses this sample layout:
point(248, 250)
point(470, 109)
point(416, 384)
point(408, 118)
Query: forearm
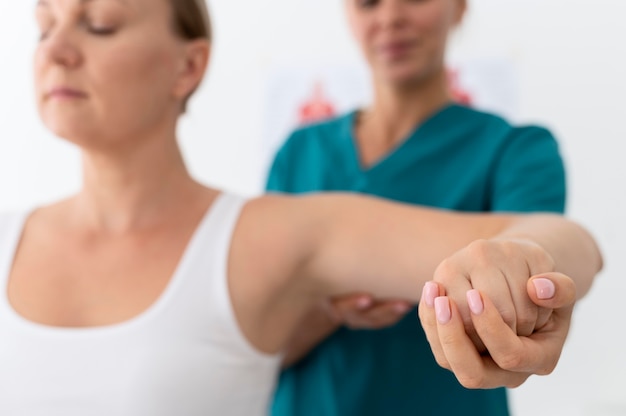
point(573, 249)
point(388, 249)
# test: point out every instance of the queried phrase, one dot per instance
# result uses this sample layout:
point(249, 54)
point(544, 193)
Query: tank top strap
point(203, 282)
point(11, 227)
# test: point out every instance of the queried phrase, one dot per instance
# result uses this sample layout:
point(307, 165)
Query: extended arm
point(309, 248)
point(391, 250)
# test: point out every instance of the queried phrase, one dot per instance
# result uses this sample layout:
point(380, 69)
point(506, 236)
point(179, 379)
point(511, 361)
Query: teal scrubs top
point(459, 159)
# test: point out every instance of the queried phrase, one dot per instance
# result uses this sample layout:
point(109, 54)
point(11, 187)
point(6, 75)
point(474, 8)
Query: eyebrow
point(125, 2)
point(45, 2)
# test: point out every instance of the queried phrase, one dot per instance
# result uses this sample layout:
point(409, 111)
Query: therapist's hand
point(509, 358)
point(354, 311)
point(362, 311)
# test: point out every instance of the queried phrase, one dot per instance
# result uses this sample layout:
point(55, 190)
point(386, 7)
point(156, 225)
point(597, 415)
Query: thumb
point(552, 290)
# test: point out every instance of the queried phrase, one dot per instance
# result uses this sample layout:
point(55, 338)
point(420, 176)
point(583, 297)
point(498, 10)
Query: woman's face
point(404, 41)
point(108, 68)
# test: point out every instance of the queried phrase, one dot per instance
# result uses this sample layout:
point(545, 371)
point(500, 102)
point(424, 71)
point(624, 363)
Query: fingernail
point(475, 302)
point(442, 309)
point(364, 303)
point(431, 291)
point(544, 287)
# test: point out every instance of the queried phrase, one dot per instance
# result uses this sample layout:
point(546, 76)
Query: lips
point(396, 49)
point(65, 93)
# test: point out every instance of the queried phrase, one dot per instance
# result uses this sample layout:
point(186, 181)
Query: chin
point(403, 77)
point(68, 124)
point(407, 74)
point(76, 133)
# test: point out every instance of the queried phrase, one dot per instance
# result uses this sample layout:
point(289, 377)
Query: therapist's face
point(404, 41)
point(107, 70)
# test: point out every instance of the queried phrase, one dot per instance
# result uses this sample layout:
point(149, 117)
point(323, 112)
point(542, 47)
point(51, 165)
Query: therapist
point(413, 144)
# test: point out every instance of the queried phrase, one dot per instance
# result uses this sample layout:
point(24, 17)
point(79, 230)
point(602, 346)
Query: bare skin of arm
point(288, 254)
point(328, 315)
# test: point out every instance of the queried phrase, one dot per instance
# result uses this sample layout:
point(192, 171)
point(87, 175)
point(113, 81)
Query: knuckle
point(481, 249)
point(511, 360)
point(517, 381)
point(377, 318)
point(509, 317)
point(351, 325)
point(485, 254)
point(442, 361)
point(472, 381)
point(379, 322)
point(354, 322)
point(382, 321)
point(446, 270)
point(548, 368)
point(526, 320)
point(541, 259)
point(343, 317)
point(526, 324)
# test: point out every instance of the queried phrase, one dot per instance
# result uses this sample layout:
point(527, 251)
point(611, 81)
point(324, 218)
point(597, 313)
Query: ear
point(460, 12)
point(194, 62)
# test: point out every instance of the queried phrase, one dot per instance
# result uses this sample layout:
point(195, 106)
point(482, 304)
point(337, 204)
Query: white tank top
point(184, 356)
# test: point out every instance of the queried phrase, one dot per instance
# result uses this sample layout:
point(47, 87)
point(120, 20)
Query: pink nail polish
point(431, 291)
point(475, 302)
point(545, 288)
point(442, 309)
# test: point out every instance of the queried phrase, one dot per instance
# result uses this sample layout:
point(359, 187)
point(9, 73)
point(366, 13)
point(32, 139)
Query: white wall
point(571, 66)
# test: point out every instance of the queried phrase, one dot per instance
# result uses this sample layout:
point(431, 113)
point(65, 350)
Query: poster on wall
point(297, 96)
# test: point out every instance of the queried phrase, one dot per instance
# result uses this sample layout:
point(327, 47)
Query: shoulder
point(501, 128)
point(288, 219)
point(271, 240)
point(532, 132)
point(477, 117)
point(269, 212)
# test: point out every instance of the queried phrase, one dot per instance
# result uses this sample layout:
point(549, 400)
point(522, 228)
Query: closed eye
point(98, 28)
point(101, 31)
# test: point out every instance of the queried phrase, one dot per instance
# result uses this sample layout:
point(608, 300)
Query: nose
point(391, 14)
point(60, 48)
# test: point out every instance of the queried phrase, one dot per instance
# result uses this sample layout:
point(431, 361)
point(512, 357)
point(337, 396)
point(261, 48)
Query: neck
point(398, 109)
point(133, 187)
